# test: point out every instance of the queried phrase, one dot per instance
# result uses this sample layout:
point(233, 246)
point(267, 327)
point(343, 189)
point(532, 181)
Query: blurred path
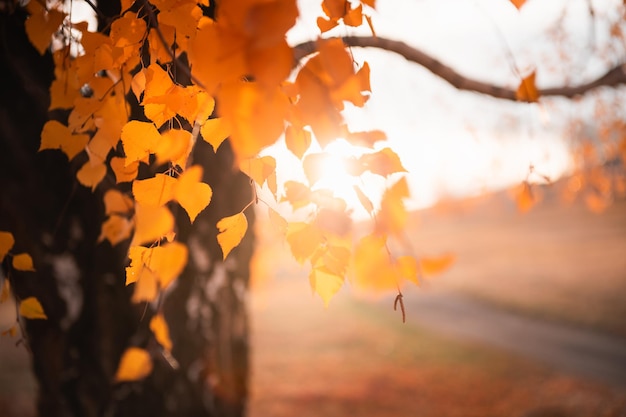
point(570, 349)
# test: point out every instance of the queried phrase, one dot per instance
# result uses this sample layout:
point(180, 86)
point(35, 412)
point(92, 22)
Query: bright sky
point(458, 143)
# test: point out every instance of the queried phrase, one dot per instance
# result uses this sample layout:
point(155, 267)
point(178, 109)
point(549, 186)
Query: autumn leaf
point(524, 197)
point(527, 90)
point(161, 331)
point(174, 146)
point(166, 261)
point(116, 202)
point(116, 229)
point(325, 284)
point(41, 25)
point(278, 222)
point(297, 194)
point(58, 136)
point(155, 191)
point(135, 364)
point(297, 140)
point(6, 243)
point(191, 193)
point(384, 162)
point(372, 267)
point(23, 262)
point(314, 165)
point(259, 168)
point(124, 172)
point(90, 175)
point(304, 239)
point(5, 291)
point(151, 223)
point(392, 216)
point(31, 308)
point(231, 231)
point(518, 3)
point(408, 268)
point(215, 131)
point(435, 265)
point(363, 199)
point(139, 140)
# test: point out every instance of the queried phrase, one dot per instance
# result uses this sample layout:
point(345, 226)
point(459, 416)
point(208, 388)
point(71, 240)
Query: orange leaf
point(124, 172)
point(314, 165)
point(372, 268)
point(436, 265)
point(408, 268)
point(151, 223)
point(215, 131)
point(174, 146)
point(259, 168)
point(354, 17)
point(116, 229)
point(41, 25)
point(5, 291)
point(127, 31)
point(278, 222)
point(326, 24)
point(135, 364)
point(527, 90)
point(297, 140)
point(166, 261)
point(384, 162)
point(23, 262)
point(161, 331)
point(31, 308)
point(155, 191)
point(231, 231)
point(139, 140)
point(90, 175)
point(58, 136)
point(116, 202)
point(518, 3)
point(367, 139)
point(524, 197)
point(297, 194)
point(191, 193)
point(6, 243)
point(146, 286)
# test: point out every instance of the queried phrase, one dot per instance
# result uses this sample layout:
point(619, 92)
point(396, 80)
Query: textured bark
point(80, 282)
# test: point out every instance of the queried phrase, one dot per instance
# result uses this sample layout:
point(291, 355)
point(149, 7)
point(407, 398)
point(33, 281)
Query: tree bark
point(81, 282)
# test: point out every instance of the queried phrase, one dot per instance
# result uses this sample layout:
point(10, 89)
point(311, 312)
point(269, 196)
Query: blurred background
point(531, 318)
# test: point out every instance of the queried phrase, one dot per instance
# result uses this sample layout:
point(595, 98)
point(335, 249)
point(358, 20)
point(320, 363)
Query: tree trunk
point(81, 283)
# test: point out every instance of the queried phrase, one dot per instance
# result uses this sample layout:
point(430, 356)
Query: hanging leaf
point(31, 308)
point(156, 191)
point(139, 140)
point(58, 136)
point(115, 202)
point(278, 222)
point(297, 140)
point(191, 193)
point(527, 90)
point(151, 224)
point(6, 243)
point(161, 331)
point(215, 131)
point(384, 162)
point(23, 262)
point(363, 199)
point(135, 364)
point(124, 172)
point(325, 284)
point(90, 175)
point(436, 265)
point(41, 25)
point(518, 3)
point(259, 168)
point(231, 231)
point(116, 229)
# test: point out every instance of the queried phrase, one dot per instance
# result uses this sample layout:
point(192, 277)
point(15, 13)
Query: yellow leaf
point(23, 262)
point(156, 191)
point(259, 168)
point(166, 261)
point(367, 139)
point(325, 284)
point(527, 90)
point(436, 265)
point(135, 364)
point(191, 193)
point(372, 268)
point(215, 131)
point(392, 215)
point(124, 172)
point(139, 140)
point(303, 239)
point(232, 229)
point(5, 292)
point(6, 243)
point(116, 229)
point(135, 254)
point(146, 287)
point(115, 202)
point(408, 268)
point(90, 175)
point(31, 308)
point(161, 331)
point(151, 224)
point(174, 146)
point(55, 135)
point(127, 31)
point(298, 194)
point(41, 25)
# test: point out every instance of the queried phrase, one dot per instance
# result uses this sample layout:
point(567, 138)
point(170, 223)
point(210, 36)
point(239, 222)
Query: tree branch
point(614, 77)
